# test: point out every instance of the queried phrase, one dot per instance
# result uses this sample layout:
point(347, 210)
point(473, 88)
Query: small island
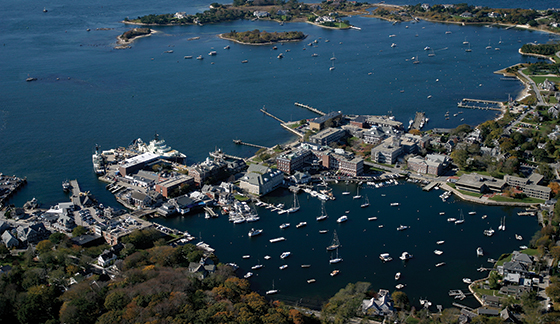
point(257, 37)
point(124, 40)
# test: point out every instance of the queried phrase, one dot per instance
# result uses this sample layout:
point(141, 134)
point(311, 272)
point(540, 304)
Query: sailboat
point(366, 203)
point(323, 212)
point(332, 67)
point(469, 48)
point(465, 41)
point(346, 192)
point(489, 46)
point(502, 226)
point(272, 291)
point(432, 53)
point(295, 207)
point(461, 219)
point(335, 260)
point(357, 196)
point(335, 243)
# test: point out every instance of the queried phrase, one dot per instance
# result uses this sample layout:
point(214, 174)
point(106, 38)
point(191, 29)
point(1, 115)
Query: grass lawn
point(451, 184)
point(241, 198)
point(524, 200)
point(472, 194)
point(504, 259)
point(540, 79)
point(488, 292)
point(532, 252)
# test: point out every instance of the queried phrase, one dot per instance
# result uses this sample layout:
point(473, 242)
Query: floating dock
point(479, 104)
point(418, 120)
point(240, 142)
point(430, 186)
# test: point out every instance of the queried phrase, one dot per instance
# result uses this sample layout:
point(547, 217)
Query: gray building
point(387, 152)
point(260, 180)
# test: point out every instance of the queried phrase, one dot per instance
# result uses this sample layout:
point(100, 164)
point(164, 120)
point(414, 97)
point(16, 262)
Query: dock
point(271, 115)
point(430, 186)
point(315, 110)
point(418, 120)
point(479, 104)
point(240, 142)
point(300, 134)
point(210, 211)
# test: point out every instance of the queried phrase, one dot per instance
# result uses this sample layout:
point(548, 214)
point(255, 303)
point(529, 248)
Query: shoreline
point(536, 55)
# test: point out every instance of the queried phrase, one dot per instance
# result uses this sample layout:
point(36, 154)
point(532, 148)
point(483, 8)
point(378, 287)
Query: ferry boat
point(301, 224)
point(284, 226)
point(342, 219)
point(285, 255)
point(255, 232)
point(479, 251)
point(385, 257)
point(405, 256)
point(335, 272)
point(278, 239)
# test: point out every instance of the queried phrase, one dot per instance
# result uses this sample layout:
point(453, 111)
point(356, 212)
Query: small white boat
point(323, 231)
point(342, 219)
point(440, 242)
point(405, 256)
point(246, 256)
point(479, 251)
point(400, 286)
point(336, 259)
point(372, 218)
point(335, 272)
point(267, 257)
point(305, 265)
point(248, 275)
point(380, 226)
point(484, 216)
point(442, 213)
point(385, 257)
point(282, 267)
point(440, 264)
point(452, 219)
point(523, 247)
point(256, 267)
point(285, 255)
point(489, 232)
point(518, 237)
point(402, 228)
point(395, 204)
point(278, 239)
point(301, 224)
point(212, 53)
point(472, 213)
point(438, 252)
point(467, 280)
point(284, 225)
point(255, 232)
point(312, 280)
point(397, 276)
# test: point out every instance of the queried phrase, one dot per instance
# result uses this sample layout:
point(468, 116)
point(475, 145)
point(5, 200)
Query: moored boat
point(397, 276)
point(255, 232)
point(342, 219)
point(335, 272)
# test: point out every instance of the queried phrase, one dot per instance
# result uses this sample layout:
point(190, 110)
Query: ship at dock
point(159, 147)
point(98, 162)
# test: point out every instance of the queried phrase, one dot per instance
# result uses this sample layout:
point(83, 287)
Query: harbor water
point(87, 93)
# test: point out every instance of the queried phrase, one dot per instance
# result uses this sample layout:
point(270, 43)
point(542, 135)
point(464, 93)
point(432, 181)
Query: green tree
point(57, 237)
point(79, 230)
point(44, 246)
point(401, 300)
point(460, 157)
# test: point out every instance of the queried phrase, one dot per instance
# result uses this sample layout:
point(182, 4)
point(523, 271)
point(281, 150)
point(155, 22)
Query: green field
point(524, 200)
point(540, 79)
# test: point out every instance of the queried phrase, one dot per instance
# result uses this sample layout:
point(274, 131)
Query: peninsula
point(124, 40)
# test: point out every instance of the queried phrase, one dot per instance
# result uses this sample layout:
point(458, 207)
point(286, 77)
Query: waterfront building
point(431, 164)
point(166, 186)
point(300, 177)
point(208, 169)
point(375, 135)
point(327, 136)
point(530, 186)
point(260, 180)
point(203, 268)
point(144, 179)
point(387, 152)
point(384, 121)
point(475, 182)
point(360, 121)
point(329, 120)
point(136, 163)
point(293, 161)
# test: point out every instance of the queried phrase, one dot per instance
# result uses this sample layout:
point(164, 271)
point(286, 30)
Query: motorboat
point(284, 225)
point(440, 242)
point(212, 53)
point(256, 267)
point(312, 280)
point(397, 276)
point(255, 232)
point(335, 272)
point(285, 255)
point(467, 280)
point(282, 267)
point(248, 275)
point(372, 218)
point(395, 204)
point(278, 239)
point(342, 219)
point(405, 256)
point(452, 219)
point(518, 237)
point(440, 264)
point(400, 286)
point(438, 252)
point(305, 265)
point(479, 251)
point(267, 257)
point(323, 231)
point(301, 224)
point(489, 232)
point(402, 228)
point(472, 213)
point(385, 257)
point(246, 256)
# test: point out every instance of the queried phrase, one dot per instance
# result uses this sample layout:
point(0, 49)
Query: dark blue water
point(48, 128)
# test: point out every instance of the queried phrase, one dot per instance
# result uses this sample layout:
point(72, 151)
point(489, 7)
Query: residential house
point(9, 240)
point(260, 14)
point(553, 111)
point(202, 268)
point(32, 234)
point(380, 305)
point(466, 14)
point(106, 258)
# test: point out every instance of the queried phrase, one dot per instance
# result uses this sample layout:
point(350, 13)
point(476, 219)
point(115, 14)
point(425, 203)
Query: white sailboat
point(323, 215)
point(332, 60)
point(366, 203)
point(272, 291)
point(357, 196)
point(461, 219)
point(295, 207)
point(346, 192)
point(335, 260)
point(335, 243)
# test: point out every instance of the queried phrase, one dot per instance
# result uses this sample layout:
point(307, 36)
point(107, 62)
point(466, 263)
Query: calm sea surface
point(87, 93)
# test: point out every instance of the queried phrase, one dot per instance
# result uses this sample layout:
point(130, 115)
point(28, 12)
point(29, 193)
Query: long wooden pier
point(315, 110)
point(240, 142)
point(271, 115)
point(292, 130)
